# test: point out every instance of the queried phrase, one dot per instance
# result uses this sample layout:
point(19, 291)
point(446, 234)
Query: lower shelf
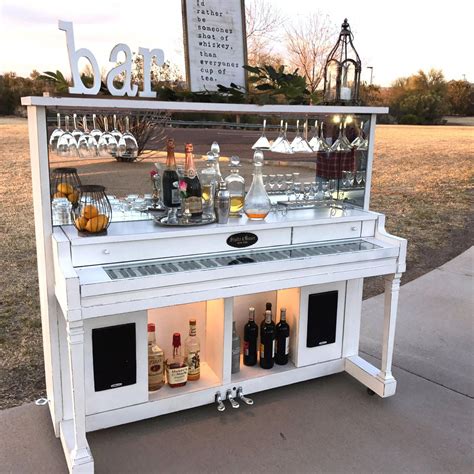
point(255, 371)
point(208, 379)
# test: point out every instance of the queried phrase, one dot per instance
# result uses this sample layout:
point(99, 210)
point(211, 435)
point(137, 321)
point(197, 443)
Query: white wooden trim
point(75, 466)
point(353, 308)
point(370, 160)
point(86, 102)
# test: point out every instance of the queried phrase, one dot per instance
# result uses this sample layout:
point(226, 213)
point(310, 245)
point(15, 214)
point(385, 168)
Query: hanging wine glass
point(115, 131)
point(344, 136)
point(76, 133)
point(95, 132)
point(262, 143)
point(67, 146)
point(318, 143)
point(284, 145)
point(360, 138)
point(127, 145)
point(87, 145)
point(278, 140)
point(107, 144)
point(300, 143)
point(55, 135)
point(340, 144)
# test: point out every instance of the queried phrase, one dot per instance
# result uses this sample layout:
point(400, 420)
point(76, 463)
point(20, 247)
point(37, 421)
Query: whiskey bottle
point(236, 186)
point(170, 178)
point(250, 339)
point(193, 198)
point(235, 350)
point(176, 367)
point(282, 339)
point(267, 342)
point(156, 373)
point(192, 349)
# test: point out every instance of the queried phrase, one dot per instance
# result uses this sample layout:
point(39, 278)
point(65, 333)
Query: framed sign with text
point(215, 43)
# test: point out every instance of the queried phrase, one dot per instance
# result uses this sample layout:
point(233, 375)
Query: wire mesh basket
point(65, 183)
point(93, 214)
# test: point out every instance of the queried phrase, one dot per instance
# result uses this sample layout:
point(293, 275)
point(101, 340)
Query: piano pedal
point(220, 403)
point(246, 400)
point(231, 399)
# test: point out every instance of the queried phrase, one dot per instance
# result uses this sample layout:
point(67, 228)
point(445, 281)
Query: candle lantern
point(342, 70)
point(64, 184)
point(93, 213)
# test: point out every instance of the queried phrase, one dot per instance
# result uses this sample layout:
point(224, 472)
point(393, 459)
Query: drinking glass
point(271, 182)
point(67, 146)
point(76, 133)
point(262, 143)
point(55, 135)
point(127, 145)
point(115, 131)
point(306, 190)
point(359, 177)
point(280, 182)
point(332, 187)
point(289, 188)
point(297, 188)
point(324, 189)
point(300, 143)
point(276, 143)
point(95, 132)
point(107, 144)
point(341, 144)
point(86, 146)
point(283, 145)
point(350, 178)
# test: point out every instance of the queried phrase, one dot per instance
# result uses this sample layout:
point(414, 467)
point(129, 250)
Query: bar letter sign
point(214, 43)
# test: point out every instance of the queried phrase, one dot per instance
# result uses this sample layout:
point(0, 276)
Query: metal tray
point(184, 222)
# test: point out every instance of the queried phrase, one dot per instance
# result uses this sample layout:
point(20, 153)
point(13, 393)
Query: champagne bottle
point(250, 339)
point(170, 178)
point(282, 339)
point(193, 186)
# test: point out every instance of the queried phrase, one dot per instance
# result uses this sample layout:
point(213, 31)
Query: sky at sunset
point(396, 38)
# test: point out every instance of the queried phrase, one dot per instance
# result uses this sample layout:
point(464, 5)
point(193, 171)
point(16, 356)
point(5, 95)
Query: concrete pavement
point(323, 425)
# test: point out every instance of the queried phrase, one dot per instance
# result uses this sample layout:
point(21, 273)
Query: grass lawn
point(422, 181)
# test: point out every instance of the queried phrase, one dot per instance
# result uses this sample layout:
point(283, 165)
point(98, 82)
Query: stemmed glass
point(323, 143)
point(341, 144)
point(276, 143)
point(359, 177)
point(359, 140)
point(296, 141)
point(107, 144)
point(284, 145)
point(297, 190)
point(87, 145)
point(306, 190)
point(55, 135)
point(262, 143)
point(271, 182)
point(76, 133)
point(116, 132)
point(350, 179)
point(300, 143)
point(127, 145)
point(289, 185)
point(67, 145)
point(95, 132)
point(332, 188)
point(280, 182)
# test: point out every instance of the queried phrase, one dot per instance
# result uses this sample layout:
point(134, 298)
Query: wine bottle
point(282, 339)
point(250, 339)
point(170, 178)
point(193, 185)
point(267, 342)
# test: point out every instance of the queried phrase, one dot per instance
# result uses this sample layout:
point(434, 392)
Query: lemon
point(81, 223)
point(89, 211)
point(97, 224)
point(65, 188)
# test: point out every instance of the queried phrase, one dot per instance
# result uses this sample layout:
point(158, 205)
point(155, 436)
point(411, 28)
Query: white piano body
point(140, 272)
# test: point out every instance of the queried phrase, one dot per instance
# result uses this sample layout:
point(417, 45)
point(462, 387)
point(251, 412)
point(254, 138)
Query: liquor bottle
point(156, 373)
point(236, 186)
point(192, 349)
point(170, 178)
point(235, 350)
point(267, 342)
point(250, 339)
point(216, 150)
point(257, 204)
point(176, 367)
point(282, 339)
point(193, 198)
point(209, 180)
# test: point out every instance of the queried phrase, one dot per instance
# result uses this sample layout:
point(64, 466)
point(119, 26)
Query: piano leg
point(73, 432)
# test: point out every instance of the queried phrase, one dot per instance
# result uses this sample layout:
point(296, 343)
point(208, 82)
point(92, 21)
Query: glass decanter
point(236, 186)
point(257, 203)
point(209, 179)
point(216, 150)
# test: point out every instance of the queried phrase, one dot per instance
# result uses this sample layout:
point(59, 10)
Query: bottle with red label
point(156, 373)
point(250, 339)
point(176, 366)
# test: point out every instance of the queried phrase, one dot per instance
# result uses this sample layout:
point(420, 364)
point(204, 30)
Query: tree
point(309, 43)
point(263, 20)
point(461, 97)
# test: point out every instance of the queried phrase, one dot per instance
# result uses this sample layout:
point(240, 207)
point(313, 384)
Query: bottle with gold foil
point(236, 186)
point(156, 373)
point(193, 199)
point(192, 349)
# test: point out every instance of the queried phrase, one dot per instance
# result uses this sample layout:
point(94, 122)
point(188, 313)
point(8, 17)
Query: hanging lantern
point(342, 70)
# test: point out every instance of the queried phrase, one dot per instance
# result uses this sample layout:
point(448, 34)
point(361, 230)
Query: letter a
point(74, 56)
point(125, 68)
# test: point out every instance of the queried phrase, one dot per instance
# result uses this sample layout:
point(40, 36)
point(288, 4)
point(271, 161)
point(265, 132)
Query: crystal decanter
point(257, 203)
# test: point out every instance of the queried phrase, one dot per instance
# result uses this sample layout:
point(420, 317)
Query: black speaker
point(114, 356)
point(322, 319)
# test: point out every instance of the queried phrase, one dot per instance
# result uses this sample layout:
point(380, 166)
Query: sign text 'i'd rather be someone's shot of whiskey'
point(215, 43)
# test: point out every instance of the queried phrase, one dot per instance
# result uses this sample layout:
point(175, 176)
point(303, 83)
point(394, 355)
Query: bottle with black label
point(250, 339)
point(193, 198)
point(170, 178)
point(267, 342)
point(282, 339)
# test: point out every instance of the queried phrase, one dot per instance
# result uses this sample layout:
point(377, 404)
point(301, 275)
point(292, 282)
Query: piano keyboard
point(173, 265)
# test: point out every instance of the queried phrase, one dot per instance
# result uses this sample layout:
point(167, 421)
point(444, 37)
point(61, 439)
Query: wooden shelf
point(208, 379)
point(256, 371)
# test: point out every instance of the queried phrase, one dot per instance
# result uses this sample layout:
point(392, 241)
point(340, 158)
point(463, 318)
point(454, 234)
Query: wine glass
point(116, 132)
point(297, 189)
point(306, 190)
point(350, 178)
point(55, 135)
point(67, 145)
point(262, 143)
point(332, 187)
point(341, 144)
point(284, 145)
point(280, 182)
point(276, 143)
point(289, 186)
point(300, 143)
point(271, 182)
point(86, 146)
point(324, 189)
point(127, 145)
point(314, 190)
point(95, 132)
point(359, 177)
point(107, 144)
point(76, 133)
point(360, 138)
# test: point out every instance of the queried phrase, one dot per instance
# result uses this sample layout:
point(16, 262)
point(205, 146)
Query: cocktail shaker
point(222, 203)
